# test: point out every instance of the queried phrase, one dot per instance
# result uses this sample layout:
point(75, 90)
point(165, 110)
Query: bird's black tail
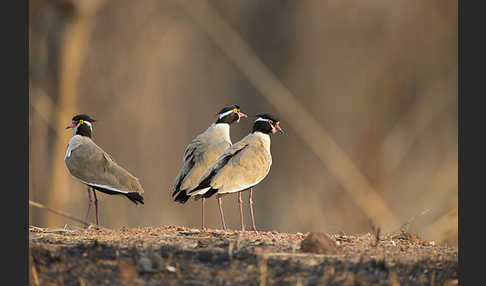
point(182, 197)
point(135, 197)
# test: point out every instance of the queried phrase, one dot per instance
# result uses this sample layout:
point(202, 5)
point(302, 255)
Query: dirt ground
point(171, 255)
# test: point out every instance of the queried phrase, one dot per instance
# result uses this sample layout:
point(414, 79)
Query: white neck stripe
point(225, 114)
point(261, 119)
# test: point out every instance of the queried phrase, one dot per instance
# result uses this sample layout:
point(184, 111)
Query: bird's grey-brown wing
point(198, 157)
point(243, 170)
point(205, 180)
point(90, 164)
point(188, 162)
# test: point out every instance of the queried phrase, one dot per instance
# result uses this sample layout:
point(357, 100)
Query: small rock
point(451, 282)
point(145, 264)
point(190, 245)
point(171, 268)
point(150, 263)
point(128, 271)
point(318, 242)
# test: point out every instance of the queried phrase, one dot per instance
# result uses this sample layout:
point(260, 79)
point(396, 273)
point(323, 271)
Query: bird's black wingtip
point(181, 197)
point(135, 198)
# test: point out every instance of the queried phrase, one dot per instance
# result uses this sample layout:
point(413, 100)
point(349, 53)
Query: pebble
point(319, 242)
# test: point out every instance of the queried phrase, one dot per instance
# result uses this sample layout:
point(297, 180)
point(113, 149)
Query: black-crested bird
point(88, 163)
point(241, 167)
point(203, 151)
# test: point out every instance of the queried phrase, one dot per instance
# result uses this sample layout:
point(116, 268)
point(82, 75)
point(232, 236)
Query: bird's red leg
point(96, 206)
point(202, 216)
point(251, 209)
point(221, 212)
point(89, 207)
point(241, 212)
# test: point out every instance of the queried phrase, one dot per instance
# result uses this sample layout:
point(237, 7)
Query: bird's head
point(230, 114)
point(267, 124)
point(81, 123)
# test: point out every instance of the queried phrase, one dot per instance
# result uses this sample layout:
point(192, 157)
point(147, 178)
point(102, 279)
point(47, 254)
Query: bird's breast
point(73, 144)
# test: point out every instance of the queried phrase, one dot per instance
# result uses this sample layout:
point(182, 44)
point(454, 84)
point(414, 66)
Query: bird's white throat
point(224, 129)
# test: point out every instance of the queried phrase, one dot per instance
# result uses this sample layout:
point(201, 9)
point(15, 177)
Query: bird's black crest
point(84, 117)
point(268, 116)
point(228, 108)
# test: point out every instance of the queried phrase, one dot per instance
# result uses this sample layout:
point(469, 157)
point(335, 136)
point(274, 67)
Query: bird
point(203, 151)
point(88, 163)
point(241, 166)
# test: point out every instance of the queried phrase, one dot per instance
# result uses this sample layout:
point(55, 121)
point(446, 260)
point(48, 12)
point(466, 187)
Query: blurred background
point(366, 92)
